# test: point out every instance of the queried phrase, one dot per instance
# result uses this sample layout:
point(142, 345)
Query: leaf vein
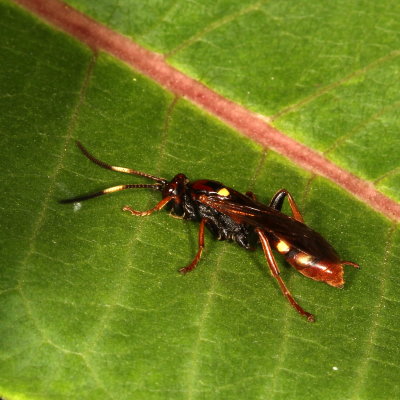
point(326, 89)
point(213, 26)
point(362, 370)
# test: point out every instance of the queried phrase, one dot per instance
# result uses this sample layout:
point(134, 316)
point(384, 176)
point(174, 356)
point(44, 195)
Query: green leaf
point(91, 304)
point(326, 74)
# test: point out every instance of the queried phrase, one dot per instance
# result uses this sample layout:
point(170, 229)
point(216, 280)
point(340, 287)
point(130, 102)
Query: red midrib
point(99, 37)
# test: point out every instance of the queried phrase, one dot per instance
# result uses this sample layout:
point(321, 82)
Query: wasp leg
point(277, 202)
point(251, 195)
point(355, 265)
point(275, 273)
point(196, 259)
point(171, 214)
point(157, 207)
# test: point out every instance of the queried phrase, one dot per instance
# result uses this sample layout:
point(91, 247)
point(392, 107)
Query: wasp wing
point(244, 210)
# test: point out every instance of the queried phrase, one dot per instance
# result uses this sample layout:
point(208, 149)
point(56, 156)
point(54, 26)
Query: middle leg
point(197, 257)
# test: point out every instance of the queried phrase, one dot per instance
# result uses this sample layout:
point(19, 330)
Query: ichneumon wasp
point(231, 215)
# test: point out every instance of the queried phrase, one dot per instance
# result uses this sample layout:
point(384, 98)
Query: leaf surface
point(325, 74)
point(91, 304)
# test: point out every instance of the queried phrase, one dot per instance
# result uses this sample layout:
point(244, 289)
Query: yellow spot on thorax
point(282, 247)
point(223, 192)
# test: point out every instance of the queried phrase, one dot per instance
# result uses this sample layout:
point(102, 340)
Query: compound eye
point(172, 190)
point(224, 192)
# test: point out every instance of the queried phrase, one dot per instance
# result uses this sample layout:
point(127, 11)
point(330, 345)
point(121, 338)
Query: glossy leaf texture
point(327, 74)
point(91, 304)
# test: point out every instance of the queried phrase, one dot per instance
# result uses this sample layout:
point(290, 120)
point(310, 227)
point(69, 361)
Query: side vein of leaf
point(40, 220)
point(282, 352)
point(326, 89)
point(260, 166)
point(213, 26)
point(117, 5)
point(163, 18)
point(362, 370)
point(386, 175)
point(360, 126)
point(194, 363)
point(115, 298)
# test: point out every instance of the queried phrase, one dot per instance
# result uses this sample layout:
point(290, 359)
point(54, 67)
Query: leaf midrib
point(99, 37)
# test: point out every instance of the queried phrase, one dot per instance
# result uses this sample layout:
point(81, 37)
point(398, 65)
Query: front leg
point(157, 207)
